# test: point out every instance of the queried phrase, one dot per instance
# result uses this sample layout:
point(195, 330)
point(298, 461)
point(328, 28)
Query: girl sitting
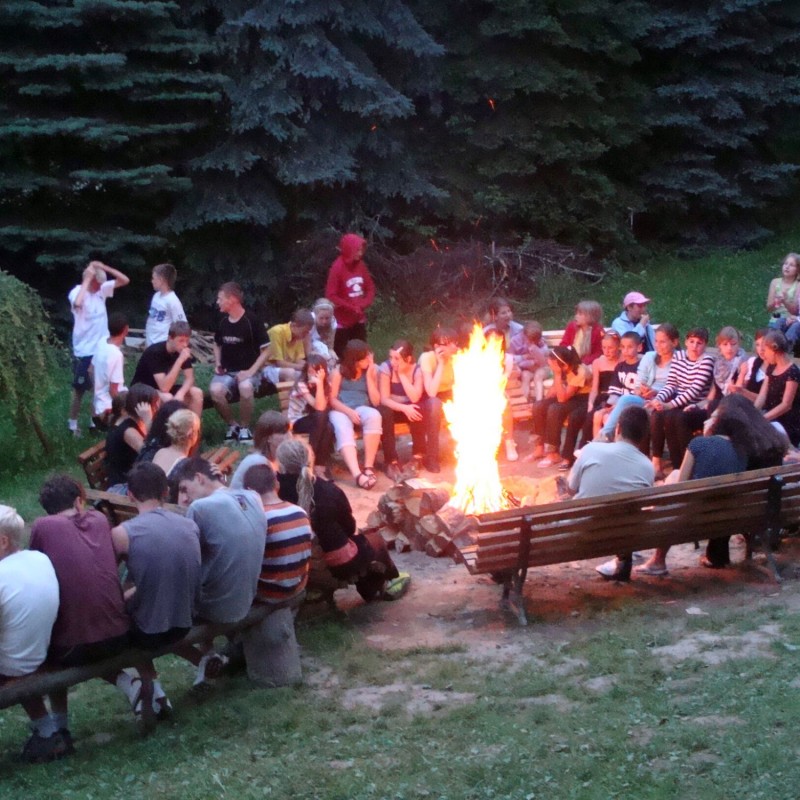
point(400, 387)
point(585, 332)
point(751, 372)
point(602, 374)
point(308, 411)
point(624, 381)
point(126, 437)
point(354, 400)
point(782, 300)
point(778, 398)
point(271, 429)
point(501, 320)
point(436, 366)
point(726, 366)
point(183, 431)
point(529, 352)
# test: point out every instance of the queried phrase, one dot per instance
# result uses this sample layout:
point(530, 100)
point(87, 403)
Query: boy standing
point(351, 290)
point(88, 304)
point(238, 345)
point(108, 364)
point(165, 307)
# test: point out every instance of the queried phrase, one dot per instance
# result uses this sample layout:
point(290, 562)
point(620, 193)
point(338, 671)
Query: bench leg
point(272, 652)
point(513, 599)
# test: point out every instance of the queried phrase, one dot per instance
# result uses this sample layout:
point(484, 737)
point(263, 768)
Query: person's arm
point(564, 390)
point(334, 290)
point(86, 280)
point(120, 279)
point(367, 299)
point(687, 466)
point(188, 384)
point(431, 380)
point(595, 390)
point(789, 391)
point(596, 344)
point(320, 399)
point(257, 366)
point(412, 383)
point(699, 379)
point(773, 302)
point(761, 399)
point(121, 542)
point(372, 383)
point(218, 370)
point(166, 380)
point(741, 379)
point(569, 334)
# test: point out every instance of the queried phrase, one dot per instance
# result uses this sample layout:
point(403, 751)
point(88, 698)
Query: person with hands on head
point(436, 366)
point(400, 385)
point(90, 328)
point(635, 317)
point(354, 400)
point(163, 363)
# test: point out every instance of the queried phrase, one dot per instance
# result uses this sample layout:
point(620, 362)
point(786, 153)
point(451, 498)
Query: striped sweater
point(688, 381)
point(287, 550)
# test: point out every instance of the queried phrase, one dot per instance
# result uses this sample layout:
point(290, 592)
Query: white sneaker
point(511, 450)
point(245, 435)
point(232, 433)
point(609, 569)
point(208, 670)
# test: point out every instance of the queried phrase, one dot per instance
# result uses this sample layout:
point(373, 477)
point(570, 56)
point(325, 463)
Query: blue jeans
point(791, 330)
point(613, 418)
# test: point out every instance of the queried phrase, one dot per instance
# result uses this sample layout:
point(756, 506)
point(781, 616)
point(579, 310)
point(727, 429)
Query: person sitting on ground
point(727, 363)
point(778, 397)
point(350, 556)
point(232, 527)
point(289, 346)
point(271, 429)
point(238, 343)
point(183, 431)
point(354, 400)
point(163, 363)
point(751, 372)
point(620, 466)
point(635, 317)
point(653, 373)
point(351, 290)
point(565, 400)
point(92, 623)
point(436, 366)
point(602, 375)
point(675, 415)
point(783, 301)
point(165, 307)
point(88, 304)
point(126, 437)
point(323, 333)
point(529, 351)
point(400, 386)
point(738, 439)
point(585, 332)
point(108, 365)
point(28, 608)
point(624, 381)
point(157, 437)
point(287, 549)
point(500, 317)
point(308, 411)
point(162, 552)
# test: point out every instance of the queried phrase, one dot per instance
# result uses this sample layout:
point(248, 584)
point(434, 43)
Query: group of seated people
point(63, 603)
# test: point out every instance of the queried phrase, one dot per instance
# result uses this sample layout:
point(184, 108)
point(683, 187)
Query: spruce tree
point(101, 101)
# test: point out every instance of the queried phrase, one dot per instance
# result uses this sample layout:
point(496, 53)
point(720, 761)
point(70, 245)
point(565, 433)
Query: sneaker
point(245, 435)
point(40, 750)
point(232, 434)
point(397, 587)
point(612, 571)
point(511, 450)
point(208, 670)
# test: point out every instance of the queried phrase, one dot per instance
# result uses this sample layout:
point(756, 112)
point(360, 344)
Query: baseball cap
point(634, 297)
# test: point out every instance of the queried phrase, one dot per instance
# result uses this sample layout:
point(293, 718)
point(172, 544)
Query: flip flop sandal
point(366, 480)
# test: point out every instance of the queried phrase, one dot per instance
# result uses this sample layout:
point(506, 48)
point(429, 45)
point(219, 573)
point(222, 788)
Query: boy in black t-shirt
point(238, 343)
point(625, 379)
point(162, 364)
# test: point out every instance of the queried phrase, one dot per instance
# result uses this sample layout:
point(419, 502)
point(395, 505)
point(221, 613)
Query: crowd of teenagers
point(624, 393)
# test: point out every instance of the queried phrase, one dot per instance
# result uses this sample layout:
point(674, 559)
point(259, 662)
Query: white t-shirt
point(164, 310)
point(28, 609)
point(109, 364)
point(91, 321)
point(608, 468)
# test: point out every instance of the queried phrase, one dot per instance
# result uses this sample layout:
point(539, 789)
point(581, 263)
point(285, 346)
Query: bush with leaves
point(28, 355)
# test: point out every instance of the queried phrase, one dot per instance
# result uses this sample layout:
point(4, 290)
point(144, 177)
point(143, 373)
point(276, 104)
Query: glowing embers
point(475, 419)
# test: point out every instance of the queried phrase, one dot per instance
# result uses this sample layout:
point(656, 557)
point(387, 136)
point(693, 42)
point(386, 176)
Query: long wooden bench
point(508, 543)
point(46, 680)
point(93, 462)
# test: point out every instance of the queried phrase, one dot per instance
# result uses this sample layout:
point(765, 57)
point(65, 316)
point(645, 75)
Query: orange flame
point(475, 418)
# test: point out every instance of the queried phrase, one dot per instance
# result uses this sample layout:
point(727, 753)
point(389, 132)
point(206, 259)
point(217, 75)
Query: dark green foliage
point(101, 100)
point(320, 97)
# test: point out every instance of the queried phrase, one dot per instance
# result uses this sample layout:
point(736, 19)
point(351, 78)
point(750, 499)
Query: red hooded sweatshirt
point(350, 287)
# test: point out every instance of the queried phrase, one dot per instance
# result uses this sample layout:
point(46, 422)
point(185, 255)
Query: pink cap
point(634, 297)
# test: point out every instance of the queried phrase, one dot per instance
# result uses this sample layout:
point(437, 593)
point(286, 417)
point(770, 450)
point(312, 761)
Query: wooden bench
point(46, 680)
point(508, 543)
point(93, 462)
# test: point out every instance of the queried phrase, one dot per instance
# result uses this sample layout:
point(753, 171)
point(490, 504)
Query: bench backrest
point(647, 518)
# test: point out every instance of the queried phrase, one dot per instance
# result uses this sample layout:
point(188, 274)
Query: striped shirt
point(284, 568)
point(688, 381)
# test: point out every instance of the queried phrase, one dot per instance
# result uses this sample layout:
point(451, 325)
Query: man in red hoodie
point(351, 290)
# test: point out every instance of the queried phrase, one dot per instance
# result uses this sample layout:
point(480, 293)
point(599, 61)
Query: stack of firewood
point(414, 515)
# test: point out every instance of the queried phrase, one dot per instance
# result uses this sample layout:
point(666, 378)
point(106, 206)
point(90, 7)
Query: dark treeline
point(234, 137)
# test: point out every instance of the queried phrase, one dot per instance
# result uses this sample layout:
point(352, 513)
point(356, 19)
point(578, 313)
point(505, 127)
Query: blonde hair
point(728, 334)
point(11, 525)
point(294, 458)
point(323, 302)
point(592, 309)
point(183, 428)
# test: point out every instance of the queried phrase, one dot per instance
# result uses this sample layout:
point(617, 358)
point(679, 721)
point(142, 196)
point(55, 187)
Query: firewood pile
point(414, 515)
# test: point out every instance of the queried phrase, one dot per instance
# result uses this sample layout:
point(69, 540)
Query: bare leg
point(220, 400)
point(371, 443)
point(246, 403)
point(350, 456)
point(194, 399)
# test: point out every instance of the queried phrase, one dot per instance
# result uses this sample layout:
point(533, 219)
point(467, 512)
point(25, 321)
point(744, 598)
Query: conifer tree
point(101, 100)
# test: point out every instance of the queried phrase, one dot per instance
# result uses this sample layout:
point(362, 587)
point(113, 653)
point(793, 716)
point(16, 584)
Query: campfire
point(475, 419)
